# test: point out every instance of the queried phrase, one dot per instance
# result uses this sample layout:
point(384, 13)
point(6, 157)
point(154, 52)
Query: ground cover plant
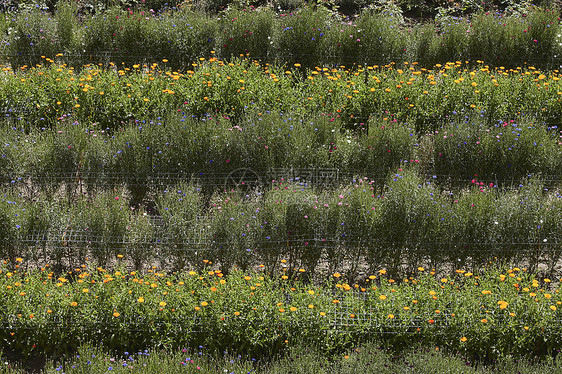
point(370, 357)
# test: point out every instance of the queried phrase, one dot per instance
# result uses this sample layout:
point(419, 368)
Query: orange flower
point(116, 314)
point(74, 303)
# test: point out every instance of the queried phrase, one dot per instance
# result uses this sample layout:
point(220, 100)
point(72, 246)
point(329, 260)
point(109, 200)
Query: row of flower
point(357, 227)
point(219, 153)
point(115, 95)
point(492, 313)
point(311, 37)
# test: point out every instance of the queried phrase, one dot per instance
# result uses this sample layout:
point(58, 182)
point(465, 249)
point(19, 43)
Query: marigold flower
point(204, 303)
point(382, 297)
point(464, 339)
point(116, 314)
point(74, 303)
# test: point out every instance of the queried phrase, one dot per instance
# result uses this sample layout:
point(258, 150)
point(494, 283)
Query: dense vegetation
point(261, 177)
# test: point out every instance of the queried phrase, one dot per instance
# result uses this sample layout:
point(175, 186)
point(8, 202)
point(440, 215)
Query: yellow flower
point(74, 303)
point(204, 303)
point(484, 320)
point(311, 292)
point(162, 304)
point(322, 314)
point(310, 306)
point(337, 275)
point(85, 290)
point(140, 299)
point(553, 307)
point(335, 301)
point(382, 297)
point(464, 339)
point(421, 269)
point(236, 313)
point(391, 316)
point(293, 309)
point(116, 314)
point(548, 296)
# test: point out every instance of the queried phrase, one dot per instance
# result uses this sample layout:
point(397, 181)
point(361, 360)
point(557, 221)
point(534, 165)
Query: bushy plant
point(300, 35)
point(180, 207)
point(245, 32)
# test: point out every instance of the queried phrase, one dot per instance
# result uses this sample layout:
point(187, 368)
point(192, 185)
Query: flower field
point(493, 313)
point(103, 162)
point(257, 181)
